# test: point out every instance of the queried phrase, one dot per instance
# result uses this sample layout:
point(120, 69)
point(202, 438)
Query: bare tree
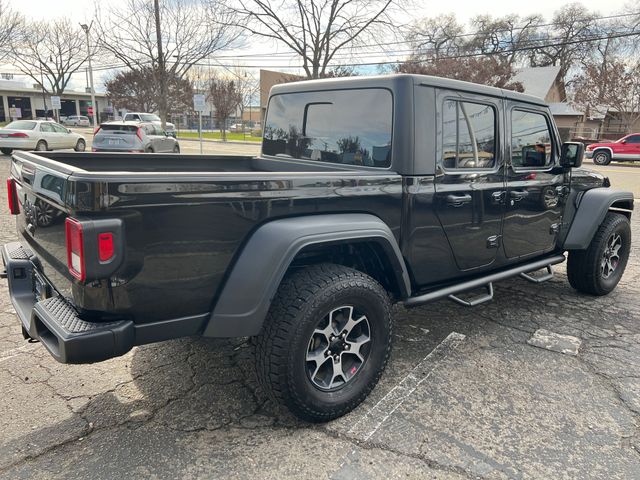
point(436, 37)
point(55, 50)
point(170, 39)
point(485, 70)
point(507, 38)
point(614, 86)
point(136, 90)
point(10, 23)
point(566, 42)
point(225, 97)
point(316, 30)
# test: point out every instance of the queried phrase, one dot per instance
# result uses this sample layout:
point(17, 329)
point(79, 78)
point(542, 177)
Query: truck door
point(469, 184)
point(535, 183)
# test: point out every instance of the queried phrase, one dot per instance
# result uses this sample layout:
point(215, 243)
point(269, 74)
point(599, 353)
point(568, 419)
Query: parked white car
point(39, 135)
point(149, 118)
point(77, 121)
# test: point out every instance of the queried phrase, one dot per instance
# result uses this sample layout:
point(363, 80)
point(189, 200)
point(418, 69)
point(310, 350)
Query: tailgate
point(42, 193)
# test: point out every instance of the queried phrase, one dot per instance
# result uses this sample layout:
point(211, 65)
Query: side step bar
point(486, 281)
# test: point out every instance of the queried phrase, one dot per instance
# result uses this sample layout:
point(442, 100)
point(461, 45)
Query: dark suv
point(368, 191)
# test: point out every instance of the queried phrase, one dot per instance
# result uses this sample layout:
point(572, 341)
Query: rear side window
point(468, 135)
point(119, 128)
point(21, 125)
point(530, 140)
point(350, 127)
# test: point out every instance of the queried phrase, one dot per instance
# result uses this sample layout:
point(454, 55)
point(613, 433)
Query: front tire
point(602, 157)
point(325, 342)
point(598, 269)
point(80, 146)
point(6, 151)
point(176, 149)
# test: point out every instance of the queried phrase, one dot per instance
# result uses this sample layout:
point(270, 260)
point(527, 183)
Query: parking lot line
point(369, 424)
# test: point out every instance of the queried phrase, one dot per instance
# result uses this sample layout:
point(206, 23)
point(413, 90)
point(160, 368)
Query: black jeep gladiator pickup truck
point(368, 191)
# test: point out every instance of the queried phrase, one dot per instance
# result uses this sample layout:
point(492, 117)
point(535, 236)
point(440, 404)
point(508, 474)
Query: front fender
point(256, 275)
point(593, 207)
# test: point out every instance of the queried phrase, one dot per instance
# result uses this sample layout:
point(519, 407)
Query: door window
point(468, 135)
point(46, 127)
point(633, 139)
point(59, 128)
point(531, 145)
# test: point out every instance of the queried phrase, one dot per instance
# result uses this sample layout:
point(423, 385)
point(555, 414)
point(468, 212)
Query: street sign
point(55, 103)
point(198, 102)
point(15, 112)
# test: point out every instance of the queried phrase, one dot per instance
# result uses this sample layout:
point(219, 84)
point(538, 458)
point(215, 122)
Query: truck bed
point(184, 217)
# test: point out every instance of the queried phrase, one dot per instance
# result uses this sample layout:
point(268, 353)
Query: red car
point(626, 149)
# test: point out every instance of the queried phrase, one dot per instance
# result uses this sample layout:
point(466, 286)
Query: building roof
point(537, 81)
point(564, 109)
point(11, 87)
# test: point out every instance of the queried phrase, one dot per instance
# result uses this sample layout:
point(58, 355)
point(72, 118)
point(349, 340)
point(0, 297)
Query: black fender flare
point(593, 207)
point(256, 275)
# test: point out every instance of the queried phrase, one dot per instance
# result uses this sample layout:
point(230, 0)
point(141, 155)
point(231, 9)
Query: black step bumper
point(55, 322)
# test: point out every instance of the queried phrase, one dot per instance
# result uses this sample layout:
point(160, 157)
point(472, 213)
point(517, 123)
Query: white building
point(31, 103)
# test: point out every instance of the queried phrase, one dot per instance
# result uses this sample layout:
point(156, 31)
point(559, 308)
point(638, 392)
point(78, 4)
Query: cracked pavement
point(494, 406)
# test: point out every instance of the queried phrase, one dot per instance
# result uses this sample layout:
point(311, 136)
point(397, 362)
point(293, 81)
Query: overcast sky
point(82, 11)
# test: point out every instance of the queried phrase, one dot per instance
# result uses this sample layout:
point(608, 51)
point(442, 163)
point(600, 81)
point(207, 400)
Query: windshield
point(147, 117)
point(21, 125)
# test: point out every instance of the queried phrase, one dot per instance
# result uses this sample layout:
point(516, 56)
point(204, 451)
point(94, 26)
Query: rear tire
point(149, 150)
point(41, 146)
point(81, 145)
point(601, 157)
point(598, 269)
point(317, 309)
point(6, 151)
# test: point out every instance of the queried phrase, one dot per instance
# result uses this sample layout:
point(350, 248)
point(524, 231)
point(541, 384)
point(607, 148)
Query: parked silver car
point(133, 137)
point(38, 135)
point(77, 121)
point(149, 118)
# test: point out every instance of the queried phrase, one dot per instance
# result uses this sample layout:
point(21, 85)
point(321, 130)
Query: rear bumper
point(53, 321)
point(18, 143)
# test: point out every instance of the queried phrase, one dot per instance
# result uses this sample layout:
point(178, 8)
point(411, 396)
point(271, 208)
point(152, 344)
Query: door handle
point(498, 197)
point(518, 195)
point(458, 200)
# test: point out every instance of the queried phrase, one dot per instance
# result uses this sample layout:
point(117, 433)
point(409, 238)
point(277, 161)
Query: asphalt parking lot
point(490, 392)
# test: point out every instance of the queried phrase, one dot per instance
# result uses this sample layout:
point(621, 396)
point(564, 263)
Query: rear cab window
point(349, 127)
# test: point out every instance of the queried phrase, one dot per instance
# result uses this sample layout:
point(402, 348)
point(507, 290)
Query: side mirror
point(623, 141)
point(69, 130)
point(571, 154)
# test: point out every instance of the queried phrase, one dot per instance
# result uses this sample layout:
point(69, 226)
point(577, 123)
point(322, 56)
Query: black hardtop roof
point(396, 81)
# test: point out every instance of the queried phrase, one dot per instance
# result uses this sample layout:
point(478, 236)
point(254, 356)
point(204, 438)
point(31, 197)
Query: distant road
point(623, 176)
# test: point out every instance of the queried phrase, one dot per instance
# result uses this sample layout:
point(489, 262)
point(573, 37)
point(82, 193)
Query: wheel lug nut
point(336, 357)
point(347, 346)
point(328, 353)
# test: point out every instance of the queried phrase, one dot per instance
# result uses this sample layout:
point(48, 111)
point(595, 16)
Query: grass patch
point(217, 136)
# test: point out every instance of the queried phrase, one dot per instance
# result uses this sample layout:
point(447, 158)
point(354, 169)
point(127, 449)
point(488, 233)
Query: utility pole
point(162, 104)
point(44, 101)
point(94, 107)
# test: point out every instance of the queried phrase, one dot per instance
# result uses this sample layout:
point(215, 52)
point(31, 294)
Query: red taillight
point(18, 135)
point(75, 248)
point(12, 194)
point(105, 246)
point(139, 133)
point(96, 130)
